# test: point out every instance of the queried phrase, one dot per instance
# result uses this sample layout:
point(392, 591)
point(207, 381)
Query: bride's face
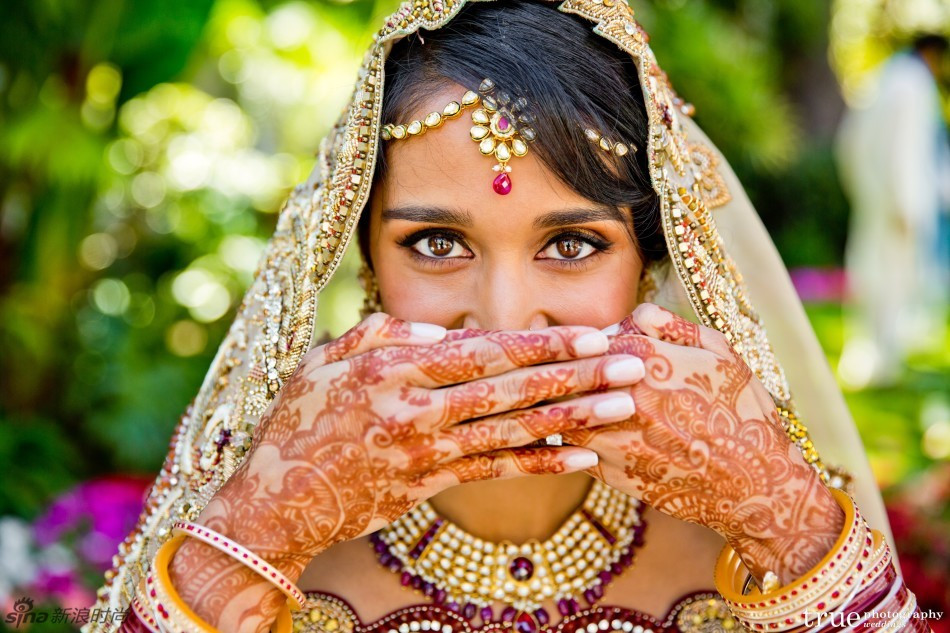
point(449, 250)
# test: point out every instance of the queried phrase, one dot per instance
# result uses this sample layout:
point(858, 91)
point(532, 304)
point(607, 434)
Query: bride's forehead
point(444, 167)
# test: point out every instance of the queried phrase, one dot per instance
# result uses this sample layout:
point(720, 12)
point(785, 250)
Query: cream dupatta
point(711, 231)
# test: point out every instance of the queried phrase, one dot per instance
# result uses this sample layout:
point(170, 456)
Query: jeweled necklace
point(467, 574)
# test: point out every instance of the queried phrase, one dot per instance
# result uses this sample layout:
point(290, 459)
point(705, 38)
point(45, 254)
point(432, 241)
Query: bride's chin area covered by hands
point(706, 445)
point(384, 417)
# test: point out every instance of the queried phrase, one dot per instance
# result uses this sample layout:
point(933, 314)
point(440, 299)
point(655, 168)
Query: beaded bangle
point(171, 614)
point(244, 556)
point(144, 616)
point(170, 610)
point(854, 561)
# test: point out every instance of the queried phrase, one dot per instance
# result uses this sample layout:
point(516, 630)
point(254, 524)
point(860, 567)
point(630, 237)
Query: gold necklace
point(467, 574)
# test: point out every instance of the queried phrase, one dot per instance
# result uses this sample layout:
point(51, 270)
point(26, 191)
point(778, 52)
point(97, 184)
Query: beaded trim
point(696, 612)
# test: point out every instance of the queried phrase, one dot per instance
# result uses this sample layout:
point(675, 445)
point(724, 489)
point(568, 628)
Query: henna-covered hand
point(706, 445)
point(379, 420)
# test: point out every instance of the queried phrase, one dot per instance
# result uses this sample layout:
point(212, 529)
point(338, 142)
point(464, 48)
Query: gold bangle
point(842, 570)
point(170, 609)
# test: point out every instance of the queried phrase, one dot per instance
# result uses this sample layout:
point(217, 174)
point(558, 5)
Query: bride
point(562, 409)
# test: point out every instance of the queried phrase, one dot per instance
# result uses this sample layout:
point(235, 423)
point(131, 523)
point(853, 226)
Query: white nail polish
point(427, 332)
point(625, 371)
point(581, 461)
point(616, 407)
point(610, 330)
point(590, 344)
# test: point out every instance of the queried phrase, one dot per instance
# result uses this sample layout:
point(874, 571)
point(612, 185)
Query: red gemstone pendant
point(502, 184)
point(525, 623)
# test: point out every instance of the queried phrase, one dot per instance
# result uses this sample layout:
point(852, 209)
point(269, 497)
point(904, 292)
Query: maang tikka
point(494, 129)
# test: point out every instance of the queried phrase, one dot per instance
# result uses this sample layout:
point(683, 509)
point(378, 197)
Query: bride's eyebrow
point(458, 217)
point(432, 215)
point(566, 217)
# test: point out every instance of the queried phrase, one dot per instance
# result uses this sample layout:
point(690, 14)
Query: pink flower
point(95, 516)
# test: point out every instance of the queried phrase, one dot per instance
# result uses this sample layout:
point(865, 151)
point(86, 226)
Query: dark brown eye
point(440, 246)
point(570, 248)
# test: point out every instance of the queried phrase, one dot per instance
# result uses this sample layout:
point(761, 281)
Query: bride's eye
point(574, 247)
point(436, 245)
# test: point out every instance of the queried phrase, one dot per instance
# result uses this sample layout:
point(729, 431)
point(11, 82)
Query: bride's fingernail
point(427, 331)
point(610, 330)
point(624, 371)
point(590, 344)
point(580, 461)
point(617, 407)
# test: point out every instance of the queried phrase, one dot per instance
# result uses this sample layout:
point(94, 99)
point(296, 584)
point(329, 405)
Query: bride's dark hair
point(570, 77)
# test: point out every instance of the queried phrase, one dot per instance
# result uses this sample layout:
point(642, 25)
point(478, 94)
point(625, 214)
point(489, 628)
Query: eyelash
point(600, 245)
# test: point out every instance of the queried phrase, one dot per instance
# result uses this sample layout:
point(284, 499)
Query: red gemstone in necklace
point(502, 184)
point(503, 124)
point(525, 623)
point(521, 568)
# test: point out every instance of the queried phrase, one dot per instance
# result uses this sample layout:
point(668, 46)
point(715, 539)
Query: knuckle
point(498, 466)
point(517, 427)
point(647, 313)
point(716, 338)
point(377, 321)
point(510, 389)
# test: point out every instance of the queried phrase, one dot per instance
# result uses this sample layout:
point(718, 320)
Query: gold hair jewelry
point(494, 129)
point(618, 148)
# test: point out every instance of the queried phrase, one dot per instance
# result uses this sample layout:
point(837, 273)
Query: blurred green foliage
point(145, 148)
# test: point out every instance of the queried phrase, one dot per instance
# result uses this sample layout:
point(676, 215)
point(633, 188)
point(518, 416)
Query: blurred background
point(146, 147)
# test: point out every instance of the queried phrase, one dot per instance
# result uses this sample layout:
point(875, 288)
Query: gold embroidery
point(712, 186)
point(324, 614)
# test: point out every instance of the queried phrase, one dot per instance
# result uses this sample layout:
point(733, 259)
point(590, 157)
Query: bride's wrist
point(252, 529)
point(789, 550)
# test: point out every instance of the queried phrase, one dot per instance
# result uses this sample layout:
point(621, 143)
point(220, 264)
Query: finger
point(517, 428)
point(376, 330)
point(654, 321)
point(521, 388)
point(510, 463)
point(495, 353)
